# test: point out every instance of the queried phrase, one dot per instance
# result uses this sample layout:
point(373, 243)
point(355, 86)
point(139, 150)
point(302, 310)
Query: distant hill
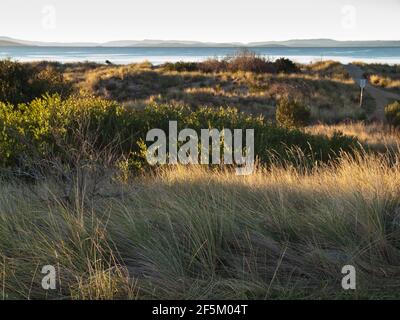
point(6, 41)
point(168, 43)
point(327, 43)
point(26, 43)
point(269, 44)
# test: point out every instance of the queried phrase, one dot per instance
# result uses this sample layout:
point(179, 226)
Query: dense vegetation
point(323, 86)
point(292, 114)
point(392, 112)
point(23, 82)
point(76, 191)
point(52, 127)
point(245, 61)
point(192, 233)
point(37, 126)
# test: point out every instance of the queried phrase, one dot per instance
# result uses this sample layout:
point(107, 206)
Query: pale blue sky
point(204, 20)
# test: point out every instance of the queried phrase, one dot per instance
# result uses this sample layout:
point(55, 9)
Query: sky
point(201, 20)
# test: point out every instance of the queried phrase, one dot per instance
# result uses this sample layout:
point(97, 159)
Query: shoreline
point(157, 62)
point(160, 55)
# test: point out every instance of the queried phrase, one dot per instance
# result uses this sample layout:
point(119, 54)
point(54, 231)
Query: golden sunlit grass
point(196, 232)
point(324, 86)
point(378, 136)
point(192, 233)
point(384, 82)
point(383, 75)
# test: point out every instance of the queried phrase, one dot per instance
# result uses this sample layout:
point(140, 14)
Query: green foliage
point(21, 83)
point(53, 127)
point(292, 114)
point(180, 66)
point(243, 60)
point(285, 65)
point(392, 112)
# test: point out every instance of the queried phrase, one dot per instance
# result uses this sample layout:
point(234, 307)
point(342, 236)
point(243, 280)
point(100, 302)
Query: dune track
point(381, 96)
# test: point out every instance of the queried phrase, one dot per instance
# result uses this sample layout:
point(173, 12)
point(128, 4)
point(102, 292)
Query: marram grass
point(194, 233)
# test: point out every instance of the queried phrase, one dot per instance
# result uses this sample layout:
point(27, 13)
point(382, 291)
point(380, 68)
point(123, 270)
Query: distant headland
point(300, 43)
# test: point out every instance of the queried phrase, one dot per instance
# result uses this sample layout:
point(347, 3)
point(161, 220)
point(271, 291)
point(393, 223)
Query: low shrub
point(243, 60)
point(292, 113)
point(180, 66)
point(52, 127)
point(285, 65)
point(213, 65)
point(21, 83)
point(249, 61)
point(392, 112)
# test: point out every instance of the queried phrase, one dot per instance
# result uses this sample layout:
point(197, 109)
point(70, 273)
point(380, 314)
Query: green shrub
point(392, 112)
point(180, 66)
point(242, 60)
point(21, 83)
point(249, 61)
point(285, 65)
point(53, 127)
point(292, 114)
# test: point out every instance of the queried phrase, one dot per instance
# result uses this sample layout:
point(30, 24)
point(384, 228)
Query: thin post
point(363, 83)
point(361, 97)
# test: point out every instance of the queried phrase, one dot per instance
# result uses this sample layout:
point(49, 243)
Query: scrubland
point(76, 192)
point(324, 86)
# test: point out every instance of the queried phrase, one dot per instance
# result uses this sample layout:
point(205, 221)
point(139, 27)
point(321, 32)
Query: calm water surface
point(160, 55)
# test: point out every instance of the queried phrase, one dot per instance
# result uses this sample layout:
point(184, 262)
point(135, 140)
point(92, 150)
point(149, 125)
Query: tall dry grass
point(383, 75)
point(325, 86)
point(192, 233)
point(378, 136)
point(384, 82)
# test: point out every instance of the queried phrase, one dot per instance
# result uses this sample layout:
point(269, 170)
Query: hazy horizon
point(200, 41)
point(206, 21)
